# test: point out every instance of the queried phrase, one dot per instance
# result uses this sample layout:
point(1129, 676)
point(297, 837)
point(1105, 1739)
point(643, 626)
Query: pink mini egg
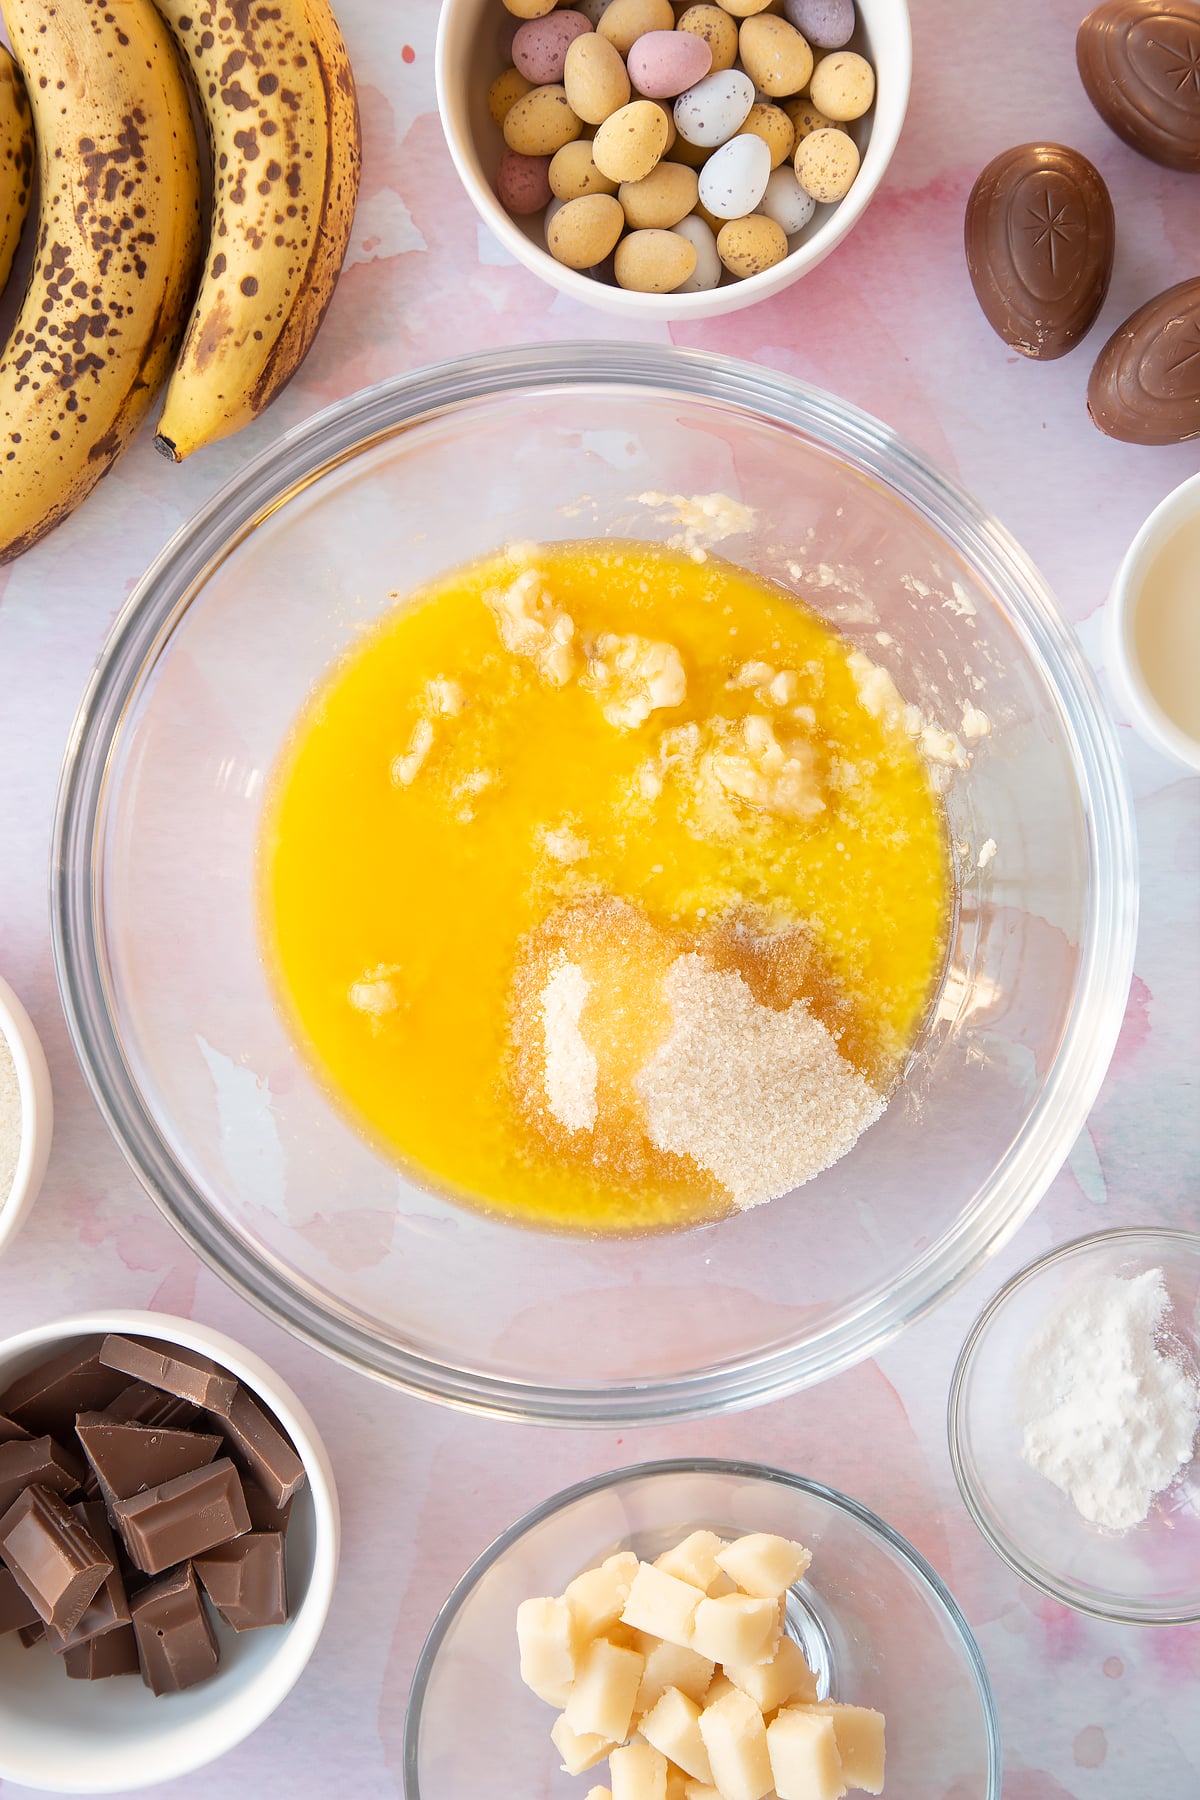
point(663, 63)
point(539, 48)
point(523, 183)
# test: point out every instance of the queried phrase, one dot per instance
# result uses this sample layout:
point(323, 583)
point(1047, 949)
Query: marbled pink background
point(1089, 1712)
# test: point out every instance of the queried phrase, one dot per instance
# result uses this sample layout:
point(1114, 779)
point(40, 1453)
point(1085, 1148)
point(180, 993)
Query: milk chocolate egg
point(1139, 61)
point(1039, 241)
point(1145, 387)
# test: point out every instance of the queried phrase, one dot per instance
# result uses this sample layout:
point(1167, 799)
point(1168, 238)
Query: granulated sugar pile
point(762, 1098)
point(759, 1097)
point(10, 1120)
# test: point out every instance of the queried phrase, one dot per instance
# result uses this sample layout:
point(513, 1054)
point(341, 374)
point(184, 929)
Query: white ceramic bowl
point(468, 59)
point(1180, 507)
point(109, 1737)
point(37, 1112)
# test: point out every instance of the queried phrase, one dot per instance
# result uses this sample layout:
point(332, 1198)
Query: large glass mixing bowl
point(153, 885)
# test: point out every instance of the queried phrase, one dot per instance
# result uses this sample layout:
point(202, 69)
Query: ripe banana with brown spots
point(116, 257)
point(277, 91)
point(16, 161)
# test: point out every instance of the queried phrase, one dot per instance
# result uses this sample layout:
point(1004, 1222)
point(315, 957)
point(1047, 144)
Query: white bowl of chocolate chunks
point(168, 1548)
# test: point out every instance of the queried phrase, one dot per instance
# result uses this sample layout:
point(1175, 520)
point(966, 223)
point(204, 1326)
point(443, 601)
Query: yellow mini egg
point(529, 9)
point(843, 85)
point(716, 27)
point(745, 9)
point(663, 197)
point(806, 117)
point(772, 125)
point(694, 155)
point(826, 164)
point(595, 79)
point(505, 91)
point(653, 262)
point(573, 172)
point(750, 245)
point(710, 219)
point(774, 55)
point(541, 122)
point(627, 145)
point(625, 21)
point(583, 231)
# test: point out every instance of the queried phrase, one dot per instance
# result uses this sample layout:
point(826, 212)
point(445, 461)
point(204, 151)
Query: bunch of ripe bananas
point(124, 291)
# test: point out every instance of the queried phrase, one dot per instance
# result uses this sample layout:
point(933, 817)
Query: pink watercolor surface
point(1089, 1712)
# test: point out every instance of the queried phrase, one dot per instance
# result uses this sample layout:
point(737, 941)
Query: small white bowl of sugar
point(26, 1113)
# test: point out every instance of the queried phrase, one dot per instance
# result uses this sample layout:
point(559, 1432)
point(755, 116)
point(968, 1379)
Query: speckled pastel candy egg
point(541, 122)
point(666, 195)
point(504, 93)
point(843, 85)
point(625, 21)
point(734, 179)
point(583, 232)
point(707, 272)
point(663, 63)
point(540, 45)
point(773, 126)
point(748, 246)
point(827, 24)
point(786, 202)
point(594, 78)
point(774, 55)
point(715, 108)
point(593, 10)
point(826, 164)
point(523, 183)
point(653, 262)
point(627, 145)
point(573, 172)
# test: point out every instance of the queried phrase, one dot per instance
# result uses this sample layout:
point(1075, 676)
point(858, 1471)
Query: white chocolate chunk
point(578, 1753)
point(804, 1756)
point(764, 1565)
point(694, 1560)
point(700, 1790)
point(673, 1726)
point(638, 1772)
point(606, 1682)
point(546, 1638)
point(598, 1793)
point(597, 1596)
point(662, 1604)
point(772, 1684)
point(736, 1741)
point(718, 1687)
point(859, 1731)
point(737, 1628)
point(677, 1783)
point(670, 1665)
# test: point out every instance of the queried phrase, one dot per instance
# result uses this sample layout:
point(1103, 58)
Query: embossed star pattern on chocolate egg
point(1139, 61)
point(1145, 386)
point(1039, 239)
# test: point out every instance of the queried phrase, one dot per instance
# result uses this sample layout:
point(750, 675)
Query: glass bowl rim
point(956, 1409)
point(332, 437)
point(696, 1465)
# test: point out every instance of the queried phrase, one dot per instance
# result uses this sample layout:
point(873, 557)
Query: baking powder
point(1110, 1411)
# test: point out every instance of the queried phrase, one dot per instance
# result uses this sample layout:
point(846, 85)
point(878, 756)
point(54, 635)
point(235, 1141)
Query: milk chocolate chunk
point(245, 1580)
point(184, 1373)
point(1145, 386)
point(264, 1514)
point(128, 1459)
point(32, 1634)
point(56, 1561)
point(16, 1608)
point(258, 1443)
point(26, 1461)
point(110, 1607)
point(141, 1404)
point(1039, 238)
point(183, 1518)
point(1139, 61)
point(175, 1641)
point(46, 1399)
point(9, 1429)
point(113, 1654)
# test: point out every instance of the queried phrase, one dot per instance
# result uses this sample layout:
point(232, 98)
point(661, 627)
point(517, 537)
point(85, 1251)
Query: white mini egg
point(715, 108)
point(734, 179)
point(785, 201)
point(707, 272)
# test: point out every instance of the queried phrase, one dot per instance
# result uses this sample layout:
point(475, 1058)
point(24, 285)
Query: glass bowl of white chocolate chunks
point(703, 1630)
point(168, 1546)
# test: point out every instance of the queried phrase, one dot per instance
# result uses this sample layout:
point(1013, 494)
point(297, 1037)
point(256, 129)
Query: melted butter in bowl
point(606, 888)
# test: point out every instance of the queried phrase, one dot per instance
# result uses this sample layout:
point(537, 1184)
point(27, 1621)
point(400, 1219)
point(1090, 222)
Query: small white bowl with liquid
point(1154, 627)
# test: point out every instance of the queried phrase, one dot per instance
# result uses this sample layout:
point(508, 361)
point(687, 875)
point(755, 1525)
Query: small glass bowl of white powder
point(26, 1113)
point(1074, 1424)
